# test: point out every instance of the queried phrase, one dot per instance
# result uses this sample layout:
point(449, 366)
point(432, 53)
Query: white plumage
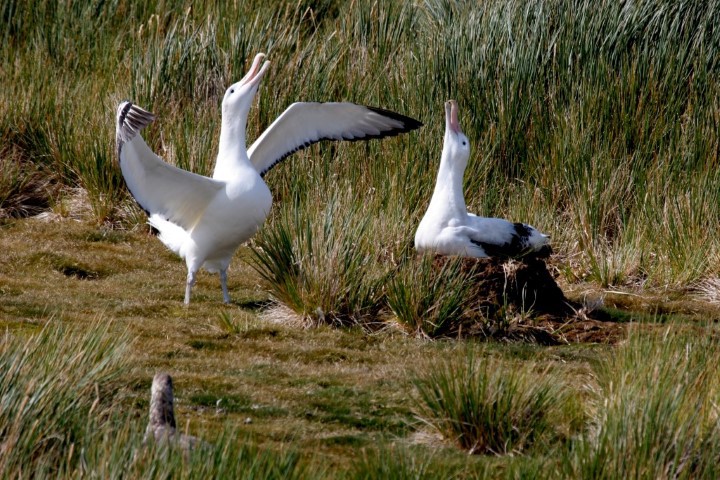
point(448, 229)
point(204, 220)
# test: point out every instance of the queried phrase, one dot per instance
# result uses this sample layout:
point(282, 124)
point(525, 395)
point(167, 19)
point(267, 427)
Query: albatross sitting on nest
point(204, 220)
point(448, 229)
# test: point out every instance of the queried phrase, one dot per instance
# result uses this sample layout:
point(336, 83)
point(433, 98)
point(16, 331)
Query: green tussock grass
point(596, 122)
point(489, 407)
point(654, 411)
point(53, 387)
point(427, 301)
point(329, 272)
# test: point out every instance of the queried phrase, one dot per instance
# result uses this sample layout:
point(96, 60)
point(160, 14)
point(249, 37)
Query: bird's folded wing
point(497, 231)
point(305, 123)
point(499, 237)
point(160, 188)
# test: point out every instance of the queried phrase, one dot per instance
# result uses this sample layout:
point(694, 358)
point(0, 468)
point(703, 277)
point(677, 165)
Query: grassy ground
point(597, 122)
point(342, 399)
point(324, 391)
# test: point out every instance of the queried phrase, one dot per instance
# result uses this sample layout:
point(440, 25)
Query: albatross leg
point(223, 285)
point(189, 285)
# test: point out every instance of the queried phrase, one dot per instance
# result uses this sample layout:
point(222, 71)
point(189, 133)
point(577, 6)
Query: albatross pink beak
point(451, 116)
point(255, 73)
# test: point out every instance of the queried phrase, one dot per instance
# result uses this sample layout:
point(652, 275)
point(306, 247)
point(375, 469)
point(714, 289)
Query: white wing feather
point(305, 123)
point(160, 188)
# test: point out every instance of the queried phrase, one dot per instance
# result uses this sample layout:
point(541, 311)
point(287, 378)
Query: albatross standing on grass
point(204, 220)
point(448, 229)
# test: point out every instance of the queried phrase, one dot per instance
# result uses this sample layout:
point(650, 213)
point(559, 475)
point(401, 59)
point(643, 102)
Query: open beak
point(256, 72)
point(451, 116)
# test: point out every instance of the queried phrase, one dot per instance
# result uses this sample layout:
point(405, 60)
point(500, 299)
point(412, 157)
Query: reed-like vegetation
point(595, 121)
point(490, 407)
point(655, 411)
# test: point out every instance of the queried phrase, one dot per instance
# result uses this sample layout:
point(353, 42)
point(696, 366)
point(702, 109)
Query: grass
point(314, 402)
point(327, 272)
point(572, 108)
point(429, 302)
point(486, 406)
point(52, 385)
point(596, 122)
point(658, 421)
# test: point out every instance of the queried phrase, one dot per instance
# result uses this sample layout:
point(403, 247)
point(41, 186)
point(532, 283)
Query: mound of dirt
point(520, 300)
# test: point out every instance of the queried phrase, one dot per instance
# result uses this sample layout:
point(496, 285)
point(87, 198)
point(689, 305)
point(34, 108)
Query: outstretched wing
point(159, 188)
point(305, 123)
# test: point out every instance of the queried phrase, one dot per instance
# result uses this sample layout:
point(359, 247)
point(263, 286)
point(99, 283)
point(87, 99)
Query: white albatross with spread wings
point(204, 220)
point(448, 229)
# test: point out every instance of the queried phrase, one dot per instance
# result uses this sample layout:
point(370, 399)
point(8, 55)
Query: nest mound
point(520, 300)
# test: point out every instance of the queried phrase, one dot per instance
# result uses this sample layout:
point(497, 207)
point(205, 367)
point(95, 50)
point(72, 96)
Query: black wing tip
point(130, 120)
point(409, 123)
point(133, 116)
point(122, 110)
point(514, 250)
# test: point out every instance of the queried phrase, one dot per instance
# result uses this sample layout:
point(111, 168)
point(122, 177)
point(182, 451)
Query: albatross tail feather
point(173, 236)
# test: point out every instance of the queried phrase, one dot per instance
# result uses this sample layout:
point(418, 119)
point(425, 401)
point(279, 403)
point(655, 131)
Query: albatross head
point(239, 96)
point(456, 147)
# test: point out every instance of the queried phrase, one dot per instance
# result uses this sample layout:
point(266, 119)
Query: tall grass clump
point(487, 406)
point(654, 411)
point(27, 180)
point(427, 300)
point(25, 190)
point(52, 387)
point(327, 271)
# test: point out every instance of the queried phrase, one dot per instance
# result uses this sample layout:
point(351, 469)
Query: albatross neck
point(448, 195)
point(232, 153)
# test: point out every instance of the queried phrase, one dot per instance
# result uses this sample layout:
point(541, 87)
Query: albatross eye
point(232, 90)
